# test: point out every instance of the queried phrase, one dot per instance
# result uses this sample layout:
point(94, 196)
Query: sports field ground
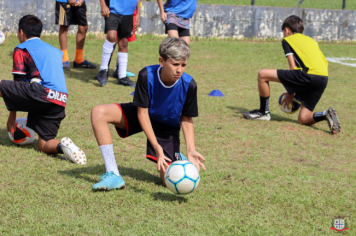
point(319, 4)
point(261, 178)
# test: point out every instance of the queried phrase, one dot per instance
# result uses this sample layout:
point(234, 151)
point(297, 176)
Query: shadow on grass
point(274, 117)
point(168, 197)
point(97, 170)
point(83, 74)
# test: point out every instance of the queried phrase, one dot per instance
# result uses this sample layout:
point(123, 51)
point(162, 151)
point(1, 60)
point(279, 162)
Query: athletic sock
point(319, 116)
point(107, 50)
point(107, 151)
point(123, 59)
point(59, 149)
point(65, 55)
point(264, 104)
point(79, 56)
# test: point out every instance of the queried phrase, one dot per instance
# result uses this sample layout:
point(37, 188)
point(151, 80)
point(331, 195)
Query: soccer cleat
point(333, 121)
point(257, 115)
point(126, 82)
point(84, 64)
point(109, 181)
point(72, 152)
point(115, 74)
point(66, 65)
point(102, 77)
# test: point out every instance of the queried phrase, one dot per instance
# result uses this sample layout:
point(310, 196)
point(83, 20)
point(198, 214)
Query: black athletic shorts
point(67, 15)
point(182, 32)
point(122, 24)
point(307, 88)
point(167, 136)
point(43, 116)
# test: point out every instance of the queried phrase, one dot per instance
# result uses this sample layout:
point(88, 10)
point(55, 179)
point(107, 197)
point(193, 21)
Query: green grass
point(261, 178)
point(319, 4)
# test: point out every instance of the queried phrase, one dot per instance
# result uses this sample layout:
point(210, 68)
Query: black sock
point(59, 148)
point(264, 104)
point(319, 116)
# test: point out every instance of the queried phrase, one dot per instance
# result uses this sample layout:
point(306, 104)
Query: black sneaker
point(102, 77)
point(257, 115)
point(84, 64)
point(333, 121)
point(115, 74)
point(126, 82)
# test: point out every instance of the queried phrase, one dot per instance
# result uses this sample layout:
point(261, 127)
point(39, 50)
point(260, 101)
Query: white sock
point(107, 151)
point(123, 59)
point(107, 50)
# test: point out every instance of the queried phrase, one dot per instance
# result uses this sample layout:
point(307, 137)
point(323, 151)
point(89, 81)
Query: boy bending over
point(39, 88)
point(306, 80)
point(165, 99)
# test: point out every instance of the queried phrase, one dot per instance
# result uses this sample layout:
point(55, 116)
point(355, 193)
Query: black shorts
point(121, 24)
point(182, 32)
point(67, 15)
point(167, 136)
point(43, 116)
point(307, 88)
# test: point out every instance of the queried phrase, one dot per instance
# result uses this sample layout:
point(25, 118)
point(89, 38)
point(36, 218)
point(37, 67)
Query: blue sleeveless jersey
point(166, 104)
point(182, 8)
point(122, 7)
point(48, 60)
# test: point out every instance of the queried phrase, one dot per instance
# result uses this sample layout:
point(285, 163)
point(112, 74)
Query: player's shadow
point(83, 74)
point(274, 117)
point(137, 174)
point(168, 197)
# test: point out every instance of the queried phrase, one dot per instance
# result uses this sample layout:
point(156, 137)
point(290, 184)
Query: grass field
point(261, 178)
point(319, 4)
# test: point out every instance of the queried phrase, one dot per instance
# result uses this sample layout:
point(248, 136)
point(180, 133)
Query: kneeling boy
point(165, 99)
point(306, 80)
point(39, 88)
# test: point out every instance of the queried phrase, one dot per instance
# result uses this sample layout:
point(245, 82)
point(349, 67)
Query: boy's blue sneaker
point(109, 181)
point(130, 74)
point(182, 157)
point(102, 77)
point(84, 64)
point(66, 65)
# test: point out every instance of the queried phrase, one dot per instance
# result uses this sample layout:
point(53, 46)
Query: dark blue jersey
point(166, 104)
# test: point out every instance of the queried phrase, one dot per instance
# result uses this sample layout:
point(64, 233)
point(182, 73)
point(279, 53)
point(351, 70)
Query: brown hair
point(294, 23)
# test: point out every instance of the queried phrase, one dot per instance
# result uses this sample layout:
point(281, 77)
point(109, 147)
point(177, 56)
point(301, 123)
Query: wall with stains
point(208, 20)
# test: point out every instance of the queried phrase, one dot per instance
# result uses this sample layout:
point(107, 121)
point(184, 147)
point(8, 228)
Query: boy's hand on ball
point(288, 99)
point(196, 158)
point(11, 121)
point(161, 159)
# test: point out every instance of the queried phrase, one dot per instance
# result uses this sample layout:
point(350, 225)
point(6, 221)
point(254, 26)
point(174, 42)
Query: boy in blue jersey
point(72, 12)
point(118, 25)
point(305, 80)
point(176, 14)
point(165, 100)
point(39, 88)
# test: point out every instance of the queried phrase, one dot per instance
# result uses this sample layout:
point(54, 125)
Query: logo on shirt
point(58, 96)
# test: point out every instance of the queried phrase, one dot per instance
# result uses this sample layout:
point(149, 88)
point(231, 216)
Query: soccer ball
point(20, 133)
point(2, 37)
point(182, 177)
point(290, 109)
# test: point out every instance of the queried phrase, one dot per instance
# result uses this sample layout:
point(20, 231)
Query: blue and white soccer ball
point(2, 37)
point(182, 177)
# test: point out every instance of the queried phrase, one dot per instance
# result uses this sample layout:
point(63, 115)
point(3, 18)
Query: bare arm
point(188, 130)
point(289, 97)
point(137, 23)
point(161, 9)
point(105, 11)
point(145, 122)
point(291, 61)
point(11, 120)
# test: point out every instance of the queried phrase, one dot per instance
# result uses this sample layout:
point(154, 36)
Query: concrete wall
point(208, 20)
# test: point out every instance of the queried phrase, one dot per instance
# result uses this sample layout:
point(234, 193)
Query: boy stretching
point(72, 12)
point(305, 80)
point(39, 88)
point(165, 99)
point(118, 16)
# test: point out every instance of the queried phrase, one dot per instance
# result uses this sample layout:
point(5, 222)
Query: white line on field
point(341, 60)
